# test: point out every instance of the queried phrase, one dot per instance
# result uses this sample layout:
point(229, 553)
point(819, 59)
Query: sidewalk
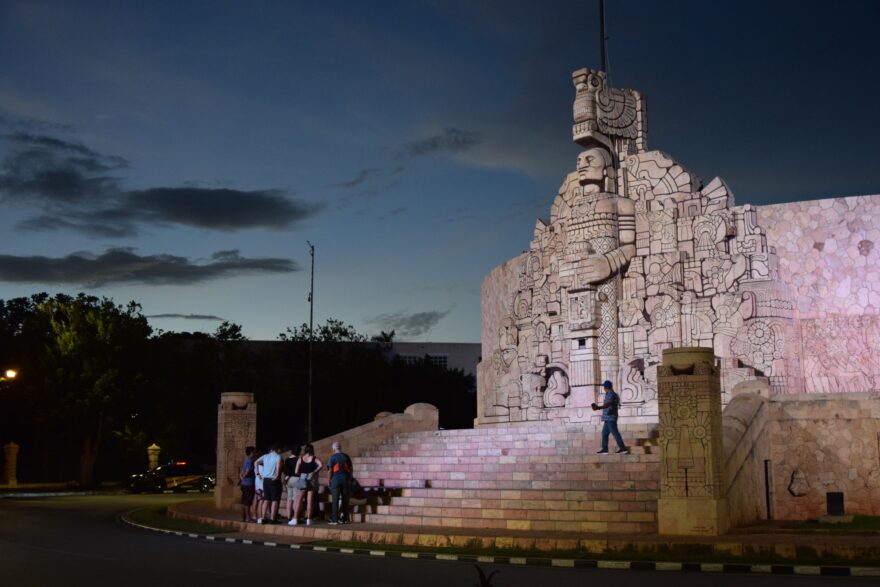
point(761, 542)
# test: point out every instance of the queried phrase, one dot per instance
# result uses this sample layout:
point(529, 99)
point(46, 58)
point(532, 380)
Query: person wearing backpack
point(339, 472)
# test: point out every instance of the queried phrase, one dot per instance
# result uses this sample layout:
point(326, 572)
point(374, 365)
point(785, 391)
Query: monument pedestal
point(236, 429)
point(692, 491)
point(692, 516)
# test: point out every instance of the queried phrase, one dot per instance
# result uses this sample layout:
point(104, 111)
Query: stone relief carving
point(690, 425)
point(637, 257)
point(798, 486)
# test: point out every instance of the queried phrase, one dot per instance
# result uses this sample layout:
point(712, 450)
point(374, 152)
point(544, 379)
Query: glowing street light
point(9, 374)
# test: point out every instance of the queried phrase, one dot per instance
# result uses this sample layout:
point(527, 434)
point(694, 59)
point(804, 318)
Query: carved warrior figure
point(637, 256)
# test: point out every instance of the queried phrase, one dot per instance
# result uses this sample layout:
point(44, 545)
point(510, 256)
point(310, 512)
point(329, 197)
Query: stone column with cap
point(692, 490)
point(10, 466)
point(153, 456)
point(236, 429)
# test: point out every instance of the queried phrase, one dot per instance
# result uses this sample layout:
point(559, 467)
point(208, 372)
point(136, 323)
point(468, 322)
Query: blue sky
point(181, 153)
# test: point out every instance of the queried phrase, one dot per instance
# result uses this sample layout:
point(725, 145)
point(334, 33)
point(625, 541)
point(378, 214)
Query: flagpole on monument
point(603, 56)
point(311, 339)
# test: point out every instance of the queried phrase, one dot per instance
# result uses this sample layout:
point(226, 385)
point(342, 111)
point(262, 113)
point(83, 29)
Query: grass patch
point(678, 555)
point(156, 516)
point(859, 524)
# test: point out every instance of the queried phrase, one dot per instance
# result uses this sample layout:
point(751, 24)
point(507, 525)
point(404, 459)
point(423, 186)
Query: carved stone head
point(595, 166)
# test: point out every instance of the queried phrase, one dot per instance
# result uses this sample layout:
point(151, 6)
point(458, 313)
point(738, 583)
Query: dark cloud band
point(75, 187)
point(207, 317)
point(408, 324)
point(450, 140)
point(118, 266)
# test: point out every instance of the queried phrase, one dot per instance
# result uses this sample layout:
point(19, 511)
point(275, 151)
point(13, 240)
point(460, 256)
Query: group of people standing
point(262, 479)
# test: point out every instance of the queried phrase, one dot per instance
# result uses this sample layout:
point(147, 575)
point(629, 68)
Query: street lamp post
point(10, 449)
point(311, 338)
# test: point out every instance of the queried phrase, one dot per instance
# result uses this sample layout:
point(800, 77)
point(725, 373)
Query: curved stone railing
point(744, 423)
point(355, 441)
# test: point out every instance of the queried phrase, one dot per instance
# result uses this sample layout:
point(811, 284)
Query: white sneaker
point(293, 522)
point(308, 521)
point(259, 520)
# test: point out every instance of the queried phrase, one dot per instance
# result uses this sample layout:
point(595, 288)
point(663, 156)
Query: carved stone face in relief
point(591, 165)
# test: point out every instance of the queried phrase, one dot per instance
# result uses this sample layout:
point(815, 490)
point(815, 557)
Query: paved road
point(78, 541)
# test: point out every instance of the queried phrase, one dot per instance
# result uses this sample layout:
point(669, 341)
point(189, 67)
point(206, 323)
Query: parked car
point(177, 476)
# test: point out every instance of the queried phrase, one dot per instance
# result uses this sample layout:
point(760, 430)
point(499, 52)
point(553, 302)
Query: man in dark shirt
point(246, 480)
point(610, 404)
point(339, 470)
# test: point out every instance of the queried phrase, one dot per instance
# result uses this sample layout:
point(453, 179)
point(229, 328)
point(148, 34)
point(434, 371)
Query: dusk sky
point(181, 154)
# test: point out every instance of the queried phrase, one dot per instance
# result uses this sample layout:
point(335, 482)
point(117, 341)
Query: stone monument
point(692, 490)
point(153, 455)
point(10, 463)
point(638, 255)
point(236, 429)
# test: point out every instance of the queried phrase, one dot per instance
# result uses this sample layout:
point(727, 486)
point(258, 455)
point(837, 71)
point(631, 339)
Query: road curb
point(30, 495)
point(731, 568)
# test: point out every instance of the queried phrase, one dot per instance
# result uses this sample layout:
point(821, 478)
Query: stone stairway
point(535, 477)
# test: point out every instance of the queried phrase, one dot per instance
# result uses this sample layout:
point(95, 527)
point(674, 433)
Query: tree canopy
point(97, 385)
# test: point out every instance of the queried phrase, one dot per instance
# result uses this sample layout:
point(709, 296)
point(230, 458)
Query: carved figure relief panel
point(637, 257)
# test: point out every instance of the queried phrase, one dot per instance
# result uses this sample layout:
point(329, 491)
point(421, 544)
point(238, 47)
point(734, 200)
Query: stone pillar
point(153, 456)
point(692, 490)
point(236, 429)
point(10, 455)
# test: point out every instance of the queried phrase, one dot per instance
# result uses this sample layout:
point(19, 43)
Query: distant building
point(452, 355)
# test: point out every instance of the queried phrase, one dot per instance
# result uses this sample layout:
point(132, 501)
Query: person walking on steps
point(339, 471)
point(609, 406)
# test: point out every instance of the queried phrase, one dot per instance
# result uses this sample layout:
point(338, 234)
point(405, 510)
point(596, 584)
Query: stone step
point(501, 523)
point(549, 495)
point(495, 472)
point(593, 500)
point(508, 484)
point(522, 456)
point(509, 513)
point(530, 430)
point(589, 460)
point(593, 435)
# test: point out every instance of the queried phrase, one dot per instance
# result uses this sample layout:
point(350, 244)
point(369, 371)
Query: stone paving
point(759, 541)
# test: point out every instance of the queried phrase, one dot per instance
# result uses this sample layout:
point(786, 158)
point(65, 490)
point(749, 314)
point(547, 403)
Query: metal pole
point(311, 337)
point(602, 56)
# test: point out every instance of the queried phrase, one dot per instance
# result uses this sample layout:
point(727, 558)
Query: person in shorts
point(258, 487)
point(290, 477)
point(269, 468)
point(307, 469)
point(247, 482)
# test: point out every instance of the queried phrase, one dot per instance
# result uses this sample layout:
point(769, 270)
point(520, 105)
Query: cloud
point(358, 179)
point(124, 265)
point(77, 190)
point(408, 324)
point(394, 212)
point(210, 317)
point(452, 140)
point(219, 208)
point(50, 170)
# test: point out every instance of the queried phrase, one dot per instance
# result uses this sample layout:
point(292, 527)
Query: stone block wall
point(815, 444)
point(824, 443)
point(829, 258)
